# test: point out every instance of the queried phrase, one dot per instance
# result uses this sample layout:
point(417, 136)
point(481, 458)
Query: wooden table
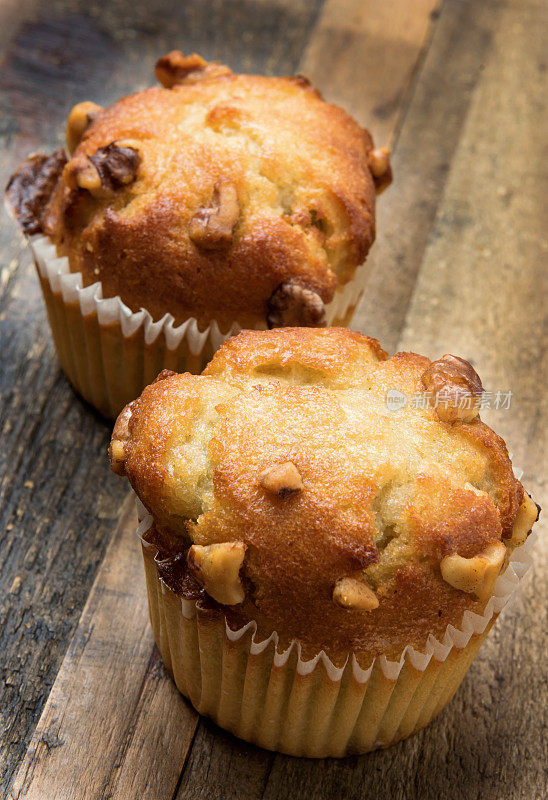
point(459, 92)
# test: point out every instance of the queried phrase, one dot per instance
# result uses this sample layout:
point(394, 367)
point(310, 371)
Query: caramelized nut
point(294, 305)
point(117, 455)
point(211, 227)
point(102, 173)
point(527, 515)
point(175, 68)
point(116, 164)
point(30, 188)
point(217, 567)
point(356, 594)
point(121, 426)
point(79, 119)
point(80, 173)
point(476, 575)
point(281, 479)
point(120, 435)
point(379, 164)
point(455, 388)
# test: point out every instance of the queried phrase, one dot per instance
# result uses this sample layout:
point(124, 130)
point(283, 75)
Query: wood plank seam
point(415, 77)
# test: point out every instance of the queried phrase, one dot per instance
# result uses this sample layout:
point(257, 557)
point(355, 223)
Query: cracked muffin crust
point(285, 490)
point(204, 196)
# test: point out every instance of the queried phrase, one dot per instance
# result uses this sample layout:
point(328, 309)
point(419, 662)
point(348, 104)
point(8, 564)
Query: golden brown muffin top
point(306, 503)
point(217, 196)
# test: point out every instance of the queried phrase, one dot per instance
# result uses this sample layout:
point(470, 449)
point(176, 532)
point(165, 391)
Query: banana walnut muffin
point(291, 495)
point(217, 196)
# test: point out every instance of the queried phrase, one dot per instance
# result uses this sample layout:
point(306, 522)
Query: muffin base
point(311, 708)
point(109, 353)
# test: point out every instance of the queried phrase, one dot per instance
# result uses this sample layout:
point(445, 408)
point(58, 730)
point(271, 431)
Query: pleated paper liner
point(278, 701)
point(110, 353)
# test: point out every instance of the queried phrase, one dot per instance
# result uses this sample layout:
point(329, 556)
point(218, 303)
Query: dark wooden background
point(459, 91)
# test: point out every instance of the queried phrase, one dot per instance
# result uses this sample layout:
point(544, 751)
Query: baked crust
point(378, 496)
point(298, 199)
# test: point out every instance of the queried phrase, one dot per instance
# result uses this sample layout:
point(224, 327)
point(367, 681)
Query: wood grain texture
point(59, 503)
point(58, 508)
point(364, 55)
point(423, 150)
point(114, 726)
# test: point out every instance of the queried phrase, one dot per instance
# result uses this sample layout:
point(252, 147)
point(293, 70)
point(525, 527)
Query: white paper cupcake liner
point(111, 353)
point(278, 700)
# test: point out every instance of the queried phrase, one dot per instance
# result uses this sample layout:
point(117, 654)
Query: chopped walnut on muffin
point(218, 197)
point(291, 494)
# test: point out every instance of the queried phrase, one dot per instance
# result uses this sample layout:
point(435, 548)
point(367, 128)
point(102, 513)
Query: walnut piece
point(107, 170)
point(117, 456)
point(175, 68)
point(528, 514)
point(476, 575)
point(212, 226)
point(120, 435)
point(455, 388)
point(294, 305)
point(116, 164)
point(281, 479)
point(380, 167)
point(80, 173)
point(30, 188)
point(79, 119)
point(356, 594)
point(217, 568)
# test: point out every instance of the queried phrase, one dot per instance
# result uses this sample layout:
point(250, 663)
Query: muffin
point(321, 566)
point(185, 212)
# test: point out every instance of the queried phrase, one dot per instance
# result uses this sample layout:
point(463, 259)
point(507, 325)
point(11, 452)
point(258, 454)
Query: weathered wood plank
point(234, 769)
point(59, 501)
point(58, 508)
point(157, 741)
point(113, 725)
point(363, 55)
point(423, 150)
point(449, 156)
